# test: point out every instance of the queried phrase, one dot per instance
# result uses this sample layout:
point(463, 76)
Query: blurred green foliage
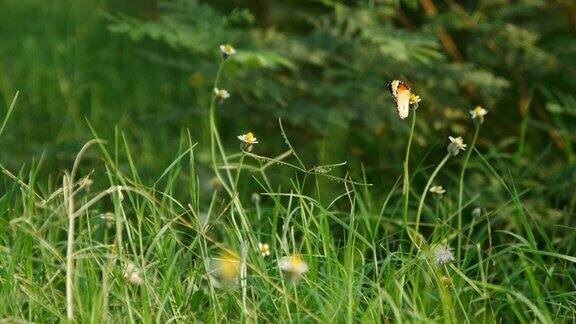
point(320, 66)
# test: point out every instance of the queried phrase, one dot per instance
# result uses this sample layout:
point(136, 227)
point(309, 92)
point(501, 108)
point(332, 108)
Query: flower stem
point(461, 186)
point(231, 184)
point(425, 192)
point(215, 136)
point(406, 183)
point(240, 164)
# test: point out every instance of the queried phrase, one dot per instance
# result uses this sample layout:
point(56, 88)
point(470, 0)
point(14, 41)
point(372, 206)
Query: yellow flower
point(226, 267)
point(478, 114)
point(227, 50)
point(131, 273)
point(221, 93)
point(437, 190)
point(456, 144)
point(247, 140)
point(293, 265)
point(264, 249)
point(414, 99)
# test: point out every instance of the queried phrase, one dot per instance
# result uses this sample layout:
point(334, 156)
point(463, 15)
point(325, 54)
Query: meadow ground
point(131, 215)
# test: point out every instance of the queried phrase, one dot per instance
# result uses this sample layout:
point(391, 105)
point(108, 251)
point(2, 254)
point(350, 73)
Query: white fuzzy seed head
point(226, 267)
point(132, 274)
point(442, 254)
point(293, 265)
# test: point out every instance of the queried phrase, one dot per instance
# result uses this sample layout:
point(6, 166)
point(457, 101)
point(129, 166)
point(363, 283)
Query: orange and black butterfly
point(401, 93)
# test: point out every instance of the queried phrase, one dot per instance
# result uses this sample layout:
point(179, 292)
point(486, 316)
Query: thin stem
point(406, 183)
point(461, 186)
point(243, 278)
point(231, 185)
point(215, 136)
point(235, 197)
point(240, 163)
point(69, 202)
point(215, 141)
point(9, 112)
point(68, 191)
point(425, 192)
point(105, 271)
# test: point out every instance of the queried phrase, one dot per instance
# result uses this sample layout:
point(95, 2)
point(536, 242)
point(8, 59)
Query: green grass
point(366, 264)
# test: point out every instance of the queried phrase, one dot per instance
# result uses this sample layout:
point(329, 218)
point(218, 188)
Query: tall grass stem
point(461, 187)
point(425, 192)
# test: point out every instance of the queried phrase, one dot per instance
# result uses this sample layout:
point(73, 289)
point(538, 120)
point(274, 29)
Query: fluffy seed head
point(226, 267)
point(132, 274)
point(293, 265)
point(442, 254)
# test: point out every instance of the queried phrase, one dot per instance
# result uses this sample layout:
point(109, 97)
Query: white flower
point(132, 273)
point(293, 265)
point(264, 249)
point(437, 190)
point(248, 140)
point(478, 114)
point(221, 93)
point(456, 144)
point(477, 212)
point(108, 219)
point(227, 50)
point(442, 254)
point(255, 197)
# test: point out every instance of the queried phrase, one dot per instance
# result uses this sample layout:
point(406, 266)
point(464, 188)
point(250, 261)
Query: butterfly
point(401, 93)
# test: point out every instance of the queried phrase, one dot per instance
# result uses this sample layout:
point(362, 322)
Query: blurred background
point(143, 70)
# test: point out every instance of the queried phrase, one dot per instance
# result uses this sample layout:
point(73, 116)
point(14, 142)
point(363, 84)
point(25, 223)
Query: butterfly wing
point(401, 93)
point(403, 100)
point(392, 86)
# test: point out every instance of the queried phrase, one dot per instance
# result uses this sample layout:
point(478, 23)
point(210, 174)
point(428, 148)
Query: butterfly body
point(401, 93)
